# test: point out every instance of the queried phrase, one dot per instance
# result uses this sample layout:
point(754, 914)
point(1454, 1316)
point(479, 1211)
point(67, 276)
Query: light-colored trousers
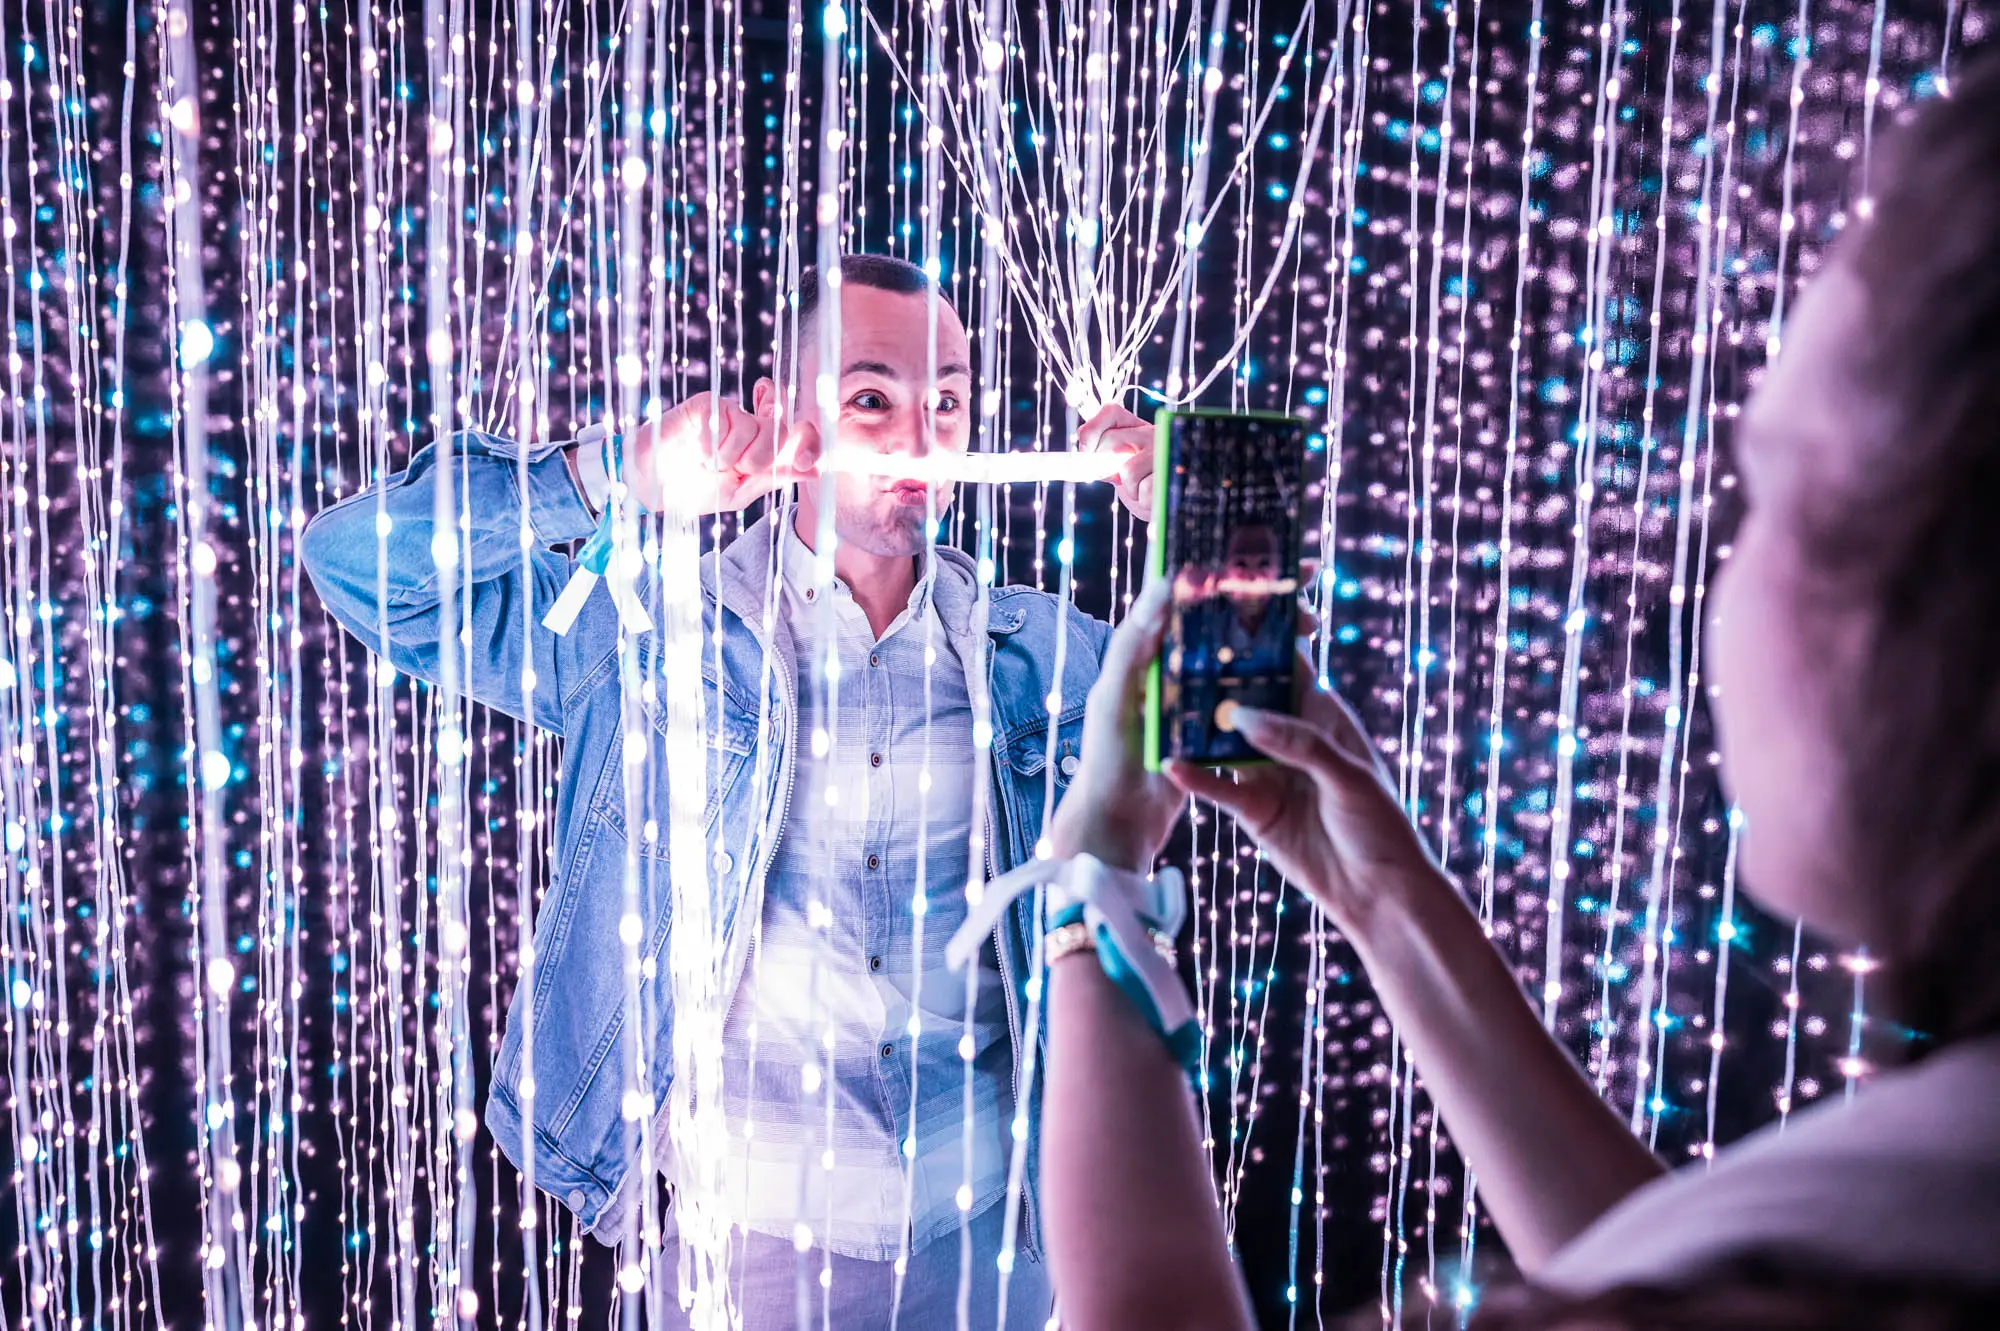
point(764, 1273)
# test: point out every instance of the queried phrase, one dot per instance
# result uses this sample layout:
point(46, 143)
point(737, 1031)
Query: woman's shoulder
point(1757, 1292)
point(1904, 1180)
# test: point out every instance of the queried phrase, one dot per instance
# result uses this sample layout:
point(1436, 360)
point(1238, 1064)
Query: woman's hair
point(1909, 536)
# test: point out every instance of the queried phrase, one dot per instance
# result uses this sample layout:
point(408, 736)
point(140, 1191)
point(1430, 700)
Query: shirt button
point(576, 1199)
point(874, 760)
point(1069, 764)
point(723, 861)
point(812, 593)
point(874, 963)
point(874, 861)
point(874, 658)
point(888, 1050)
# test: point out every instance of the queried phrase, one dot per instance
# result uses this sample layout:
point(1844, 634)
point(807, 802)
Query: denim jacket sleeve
point(385, 590)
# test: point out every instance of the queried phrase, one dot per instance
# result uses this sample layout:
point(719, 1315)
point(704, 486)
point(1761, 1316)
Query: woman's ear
point(764, 398)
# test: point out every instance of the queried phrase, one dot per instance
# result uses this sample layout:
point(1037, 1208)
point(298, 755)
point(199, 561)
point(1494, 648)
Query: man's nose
point(913, 432)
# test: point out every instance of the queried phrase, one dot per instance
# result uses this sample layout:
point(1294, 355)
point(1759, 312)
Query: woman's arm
point(1549, 1155)
point(1135, 1237)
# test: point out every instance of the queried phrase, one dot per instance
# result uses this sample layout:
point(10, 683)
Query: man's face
point(1252, 554)
point(889, 401)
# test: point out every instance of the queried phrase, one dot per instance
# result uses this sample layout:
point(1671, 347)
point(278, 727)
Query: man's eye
point(948, 402)
point(870, 401)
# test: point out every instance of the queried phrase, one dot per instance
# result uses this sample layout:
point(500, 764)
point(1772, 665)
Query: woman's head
point(1856, 668)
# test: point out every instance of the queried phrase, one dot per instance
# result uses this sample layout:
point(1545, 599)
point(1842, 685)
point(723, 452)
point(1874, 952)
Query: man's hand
point(1116, 809)
point(1115, 430)
point(726, 457)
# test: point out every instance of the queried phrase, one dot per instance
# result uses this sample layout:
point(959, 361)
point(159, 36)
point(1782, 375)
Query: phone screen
point(1227, 498)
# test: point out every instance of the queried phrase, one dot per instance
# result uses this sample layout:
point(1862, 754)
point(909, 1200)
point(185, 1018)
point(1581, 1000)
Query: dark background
point(311, 1025)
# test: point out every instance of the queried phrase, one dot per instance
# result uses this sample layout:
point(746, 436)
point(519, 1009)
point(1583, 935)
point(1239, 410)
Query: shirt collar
point(799, 567)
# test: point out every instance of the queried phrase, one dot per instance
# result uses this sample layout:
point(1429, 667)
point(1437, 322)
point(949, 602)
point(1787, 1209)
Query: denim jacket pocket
point(1023, 761)
point(728, 751)
point(1028, 748)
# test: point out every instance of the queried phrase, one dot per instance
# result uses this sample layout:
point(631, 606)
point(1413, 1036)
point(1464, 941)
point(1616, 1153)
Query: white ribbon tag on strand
point(631, 610)
point(582, 582)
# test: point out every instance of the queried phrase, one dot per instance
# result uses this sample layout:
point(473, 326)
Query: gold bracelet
point(1067, 940)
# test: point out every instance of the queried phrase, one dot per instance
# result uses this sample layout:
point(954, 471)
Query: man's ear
point(764, 398)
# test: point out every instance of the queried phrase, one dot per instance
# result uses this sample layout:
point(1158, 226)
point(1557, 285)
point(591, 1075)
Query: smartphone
point(1228, 492)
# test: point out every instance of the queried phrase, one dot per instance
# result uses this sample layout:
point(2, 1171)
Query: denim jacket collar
point(741, 580)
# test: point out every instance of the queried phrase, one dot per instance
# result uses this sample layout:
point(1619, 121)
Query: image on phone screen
point(1228, 539)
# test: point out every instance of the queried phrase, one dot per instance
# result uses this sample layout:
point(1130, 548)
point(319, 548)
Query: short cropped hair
point(878, 272)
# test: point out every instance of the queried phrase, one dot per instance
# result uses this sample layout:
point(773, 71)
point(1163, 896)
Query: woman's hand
point(1551, 1156)
point(1325, 812)
point(1116, 809)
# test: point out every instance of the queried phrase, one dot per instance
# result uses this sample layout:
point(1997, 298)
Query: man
point(862, 794)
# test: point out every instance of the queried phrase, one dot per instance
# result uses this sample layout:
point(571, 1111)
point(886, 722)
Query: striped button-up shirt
point(867, 886)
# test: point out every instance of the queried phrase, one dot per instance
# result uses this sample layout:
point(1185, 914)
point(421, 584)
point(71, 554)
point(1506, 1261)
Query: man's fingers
point(757, 458)
point(1090, 435)
point(1113, 429)
point(798, 459)
point(738, 431)
point(1142, 497)
point(699, 425)
point(1309, 620)
point(1137, 468)
point(686, 425)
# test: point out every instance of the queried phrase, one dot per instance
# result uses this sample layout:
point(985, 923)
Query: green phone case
point(1156, 564)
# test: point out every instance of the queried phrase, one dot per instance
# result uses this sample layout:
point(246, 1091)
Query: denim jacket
point(581, 1144)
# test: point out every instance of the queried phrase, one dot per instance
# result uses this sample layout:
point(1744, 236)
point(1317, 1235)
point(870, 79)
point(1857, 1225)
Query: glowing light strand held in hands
point(940, 468)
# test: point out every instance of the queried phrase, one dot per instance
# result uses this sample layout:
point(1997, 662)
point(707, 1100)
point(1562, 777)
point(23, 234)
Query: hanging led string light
point(1712, 219)
point(1605, 1020)
point(1095, 256)
point(225, 1257)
